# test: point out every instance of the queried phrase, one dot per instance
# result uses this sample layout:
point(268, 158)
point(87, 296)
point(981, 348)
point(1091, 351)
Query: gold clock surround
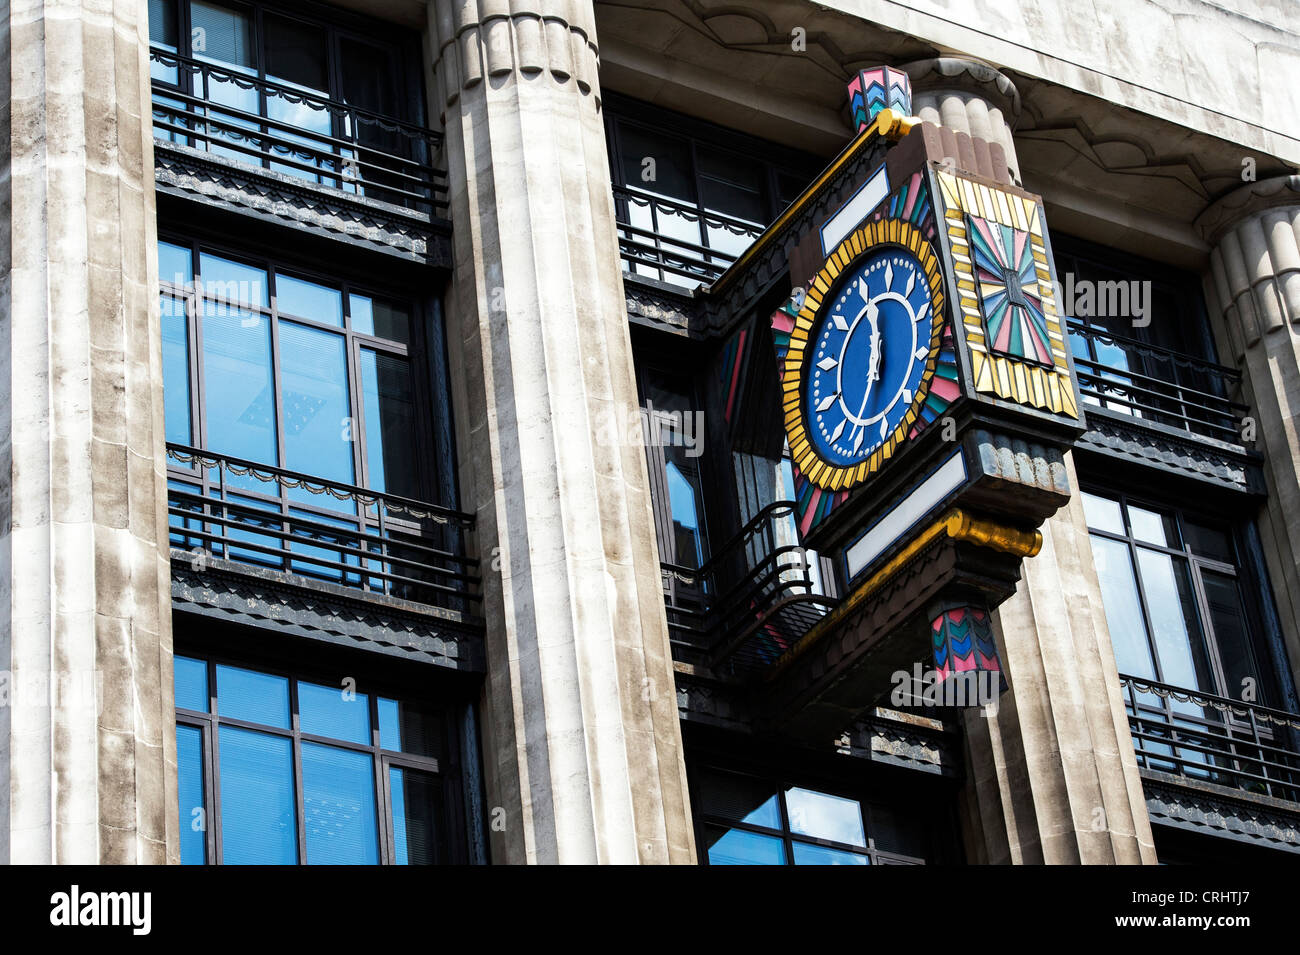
point(863, 241)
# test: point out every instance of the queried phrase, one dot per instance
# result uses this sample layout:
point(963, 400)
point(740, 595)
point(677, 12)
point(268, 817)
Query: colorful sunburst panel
point(1007, 285)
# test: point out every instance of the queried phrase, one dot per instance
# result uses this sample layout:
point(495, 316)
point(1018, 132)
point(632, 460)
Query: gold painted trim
point(888, 124)
point(869, 239)
point(958, 525)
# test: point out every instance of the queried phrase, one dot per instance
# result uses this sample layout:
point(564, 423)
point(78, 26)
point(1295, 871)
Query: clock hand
point(873, 365)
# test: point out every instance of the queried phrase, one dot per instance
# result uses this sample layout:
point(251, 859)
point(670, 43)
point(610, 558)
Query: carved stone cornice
point(477, 39)
point(1153, 445)
point(1229, 210)
point(194, 175)
point(1202, 807)
point(287, 603)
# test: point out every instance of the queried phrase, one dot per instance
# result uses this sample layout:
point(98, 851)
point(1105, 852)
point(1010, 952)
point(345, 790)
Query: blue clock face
point(869, 356)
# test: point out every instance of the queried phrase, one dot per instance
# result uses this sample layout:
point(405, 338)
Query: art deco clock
point(862, 353)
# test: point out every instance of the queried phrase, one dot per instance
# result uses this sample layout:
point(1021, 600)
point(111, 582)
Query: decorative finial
point(875, 89)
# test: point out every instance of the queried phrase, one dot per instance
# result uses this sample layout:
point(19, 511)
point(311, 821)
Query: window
point(289, 368)
point(278, 770)
point(302, 97)
point(1141, 340)
point(674, 446)
point(1175, 598)
point(691, 197)
point(308, 426)
point(751, 820)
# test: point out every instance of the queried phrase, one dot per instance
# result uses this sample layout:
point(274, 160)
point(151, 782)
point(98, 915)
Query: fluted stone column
point(968, 97)
point(87, 748)
point(1253, 289)
point(1052, 777)
point(580, 732)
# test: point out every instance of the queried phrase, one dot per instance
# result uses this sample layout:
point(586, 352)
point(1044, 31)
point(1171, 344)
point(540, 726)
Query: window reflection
point(750, 820)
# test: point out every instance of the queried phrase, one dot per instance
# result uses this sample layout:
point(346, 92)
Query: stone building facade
point(392, 476)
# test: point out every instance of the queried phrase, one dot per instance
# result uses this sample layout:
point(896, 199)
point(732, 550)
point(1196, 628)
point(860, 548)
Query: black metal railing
point(1160, 385)
point(676, 242)
point(234, 509)
point(750, 602)
point(1213, 739)
point(219, 109)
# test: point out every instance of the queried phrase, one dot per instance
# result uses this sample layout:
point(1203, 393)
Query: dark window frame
point(781, 783)
point(405, 46)
point(452, 845)
point(1272, 689)
point(424, 352)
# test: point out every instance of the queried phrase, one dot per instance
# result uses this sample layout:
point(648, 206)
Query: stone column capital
point(972, 77)
point(1250, 199)
point(474, 40)
point(969, 97)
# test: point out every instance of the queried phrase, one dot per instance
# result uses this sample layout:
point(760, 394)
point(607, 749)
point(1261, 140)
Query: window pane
point(175, 264)
point(338, 799)
point(408, 728)
point(176, 371)
point(740, 798)
point(1153, 527)
point(327, 711)
point(256, 697)
point(390, 423)
point(238, 398)
point(820, 855)
point(414, 797)
point(736, 847)
point(228, 282)
point(1174, 621)
point(825, 816)
point(295, 52)
point(220, 34)
point(191, 681)
point(257, 803)
point(1119, 597)
point(1102, 513)
point(379, 318)
point(732, 185)
point(670, 173)
point(1231, 633)
point(162, 23)
point(189, 768)
point(1211, 542)
point(317, 427)
point(308, 300)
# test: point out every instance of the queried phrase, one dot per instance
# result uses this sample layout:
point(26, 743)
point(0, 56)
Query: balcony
point(1207, 739)
point(750, 603)
point(282, 152)
point(677, 243)
point(1158, 385)
point(271, 519)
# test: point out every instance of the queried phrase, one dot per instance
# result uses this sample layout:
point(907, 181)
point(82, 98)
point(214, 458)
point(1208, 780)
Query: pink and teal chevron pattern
point(874, 89)
point(962, 639)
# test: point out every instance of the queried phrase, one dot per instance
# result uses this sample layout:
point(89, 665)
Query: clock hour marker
point(911, 284)
point(889, 276)
point(827, 363)
point(863, 290)
point(922, 311)
point(857, 442)
point(884, 428)
point(827, 402)
point(921, 353)
point(839, 321)
point(839, 430)
point(907, 397)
